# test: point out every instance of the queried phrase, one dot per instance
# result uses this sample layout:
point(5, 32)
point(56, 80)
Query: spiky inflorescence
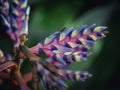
point(15, 18)
point(67, 47)
point(70, 45)
point(62, 47)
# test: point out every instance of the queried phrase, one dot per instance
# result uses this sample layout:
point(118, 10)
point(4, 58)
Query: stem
point(16, 75)
point(21, 82)
point(36, 79)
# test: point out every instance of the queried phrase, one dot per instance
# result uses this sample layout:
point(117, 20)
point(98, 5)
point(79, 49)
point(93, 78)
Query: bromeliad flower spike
point(62, 48)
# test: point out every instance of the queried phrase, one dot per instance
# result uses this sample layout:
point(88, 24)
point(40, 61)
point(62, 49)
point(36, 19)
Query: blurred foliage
point(48, 16)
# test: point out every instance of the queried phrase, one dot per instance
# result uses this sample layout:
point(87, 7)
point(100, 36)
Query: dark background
point(104, 64)
point(48, 16)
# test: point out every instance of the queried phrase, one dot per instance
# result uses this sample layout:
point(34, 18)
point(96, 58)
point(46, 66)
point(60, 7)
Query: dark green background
point(48, 16)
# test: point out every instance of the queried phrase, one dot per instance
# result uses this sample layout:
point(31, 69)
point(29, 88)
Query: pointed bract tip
point(1, 53)
point(105, 32)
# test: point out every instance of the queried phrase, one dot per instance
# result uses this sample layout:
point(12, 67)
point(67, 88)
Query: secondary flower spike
point(15, 16)
point(62, 48)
